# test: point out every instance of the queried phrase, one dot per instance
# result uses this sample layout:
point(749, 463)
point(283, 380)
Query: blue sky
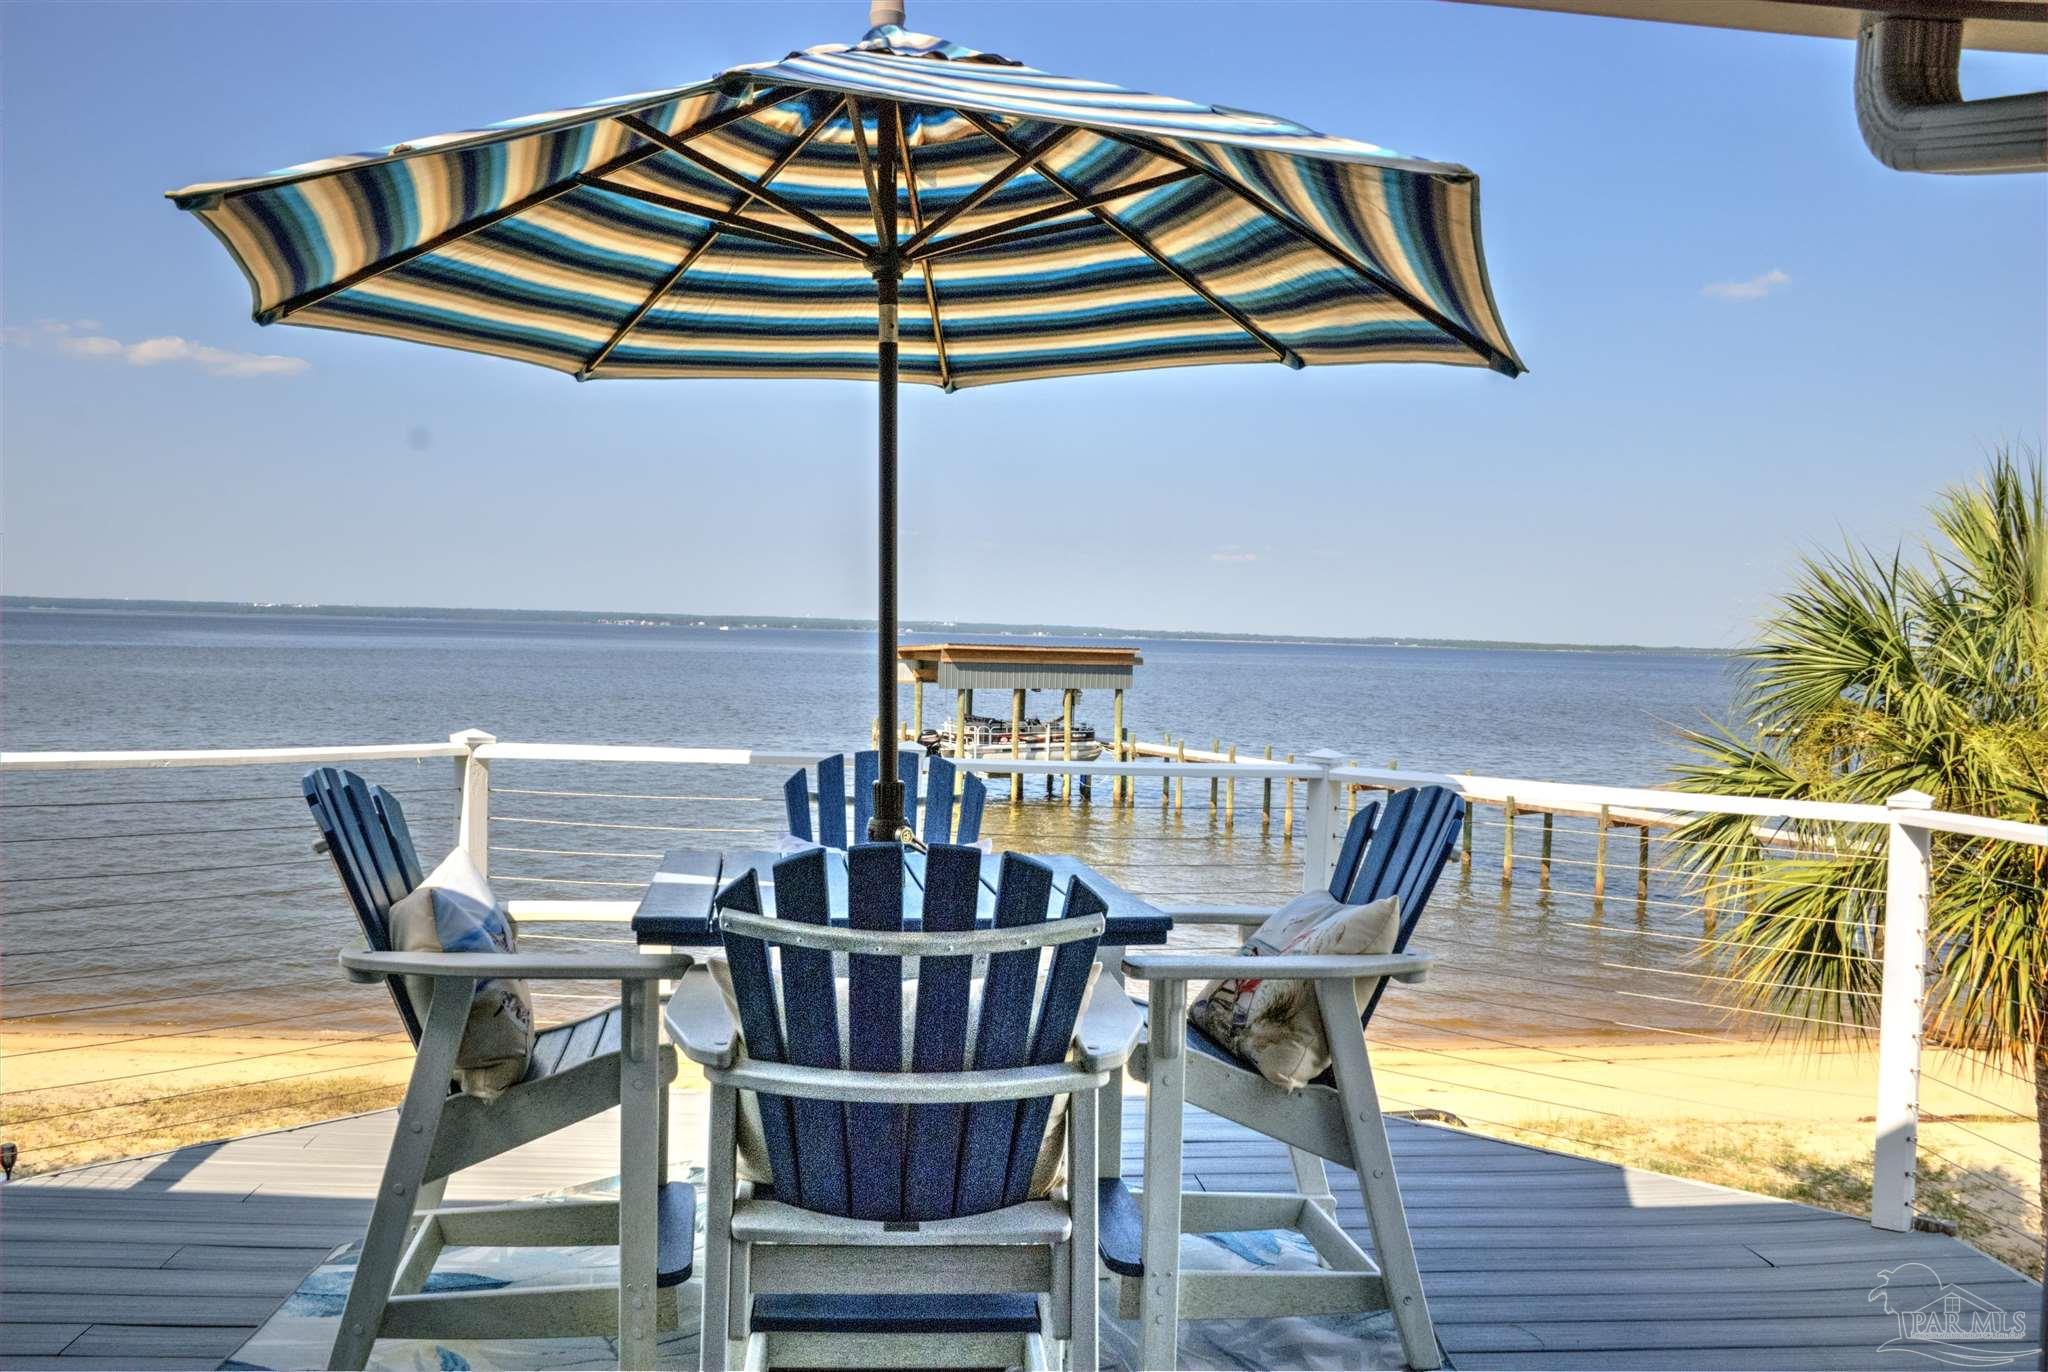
point(1746, 339)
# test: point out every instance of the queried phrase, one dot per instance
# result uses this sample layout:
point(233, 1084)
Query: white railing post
point(473, 781)
point(1319, 814)
point(1909, 874)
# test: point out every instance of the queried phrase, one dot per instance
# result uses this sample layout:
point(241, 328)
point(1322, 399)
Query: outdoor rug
point(302, 1331)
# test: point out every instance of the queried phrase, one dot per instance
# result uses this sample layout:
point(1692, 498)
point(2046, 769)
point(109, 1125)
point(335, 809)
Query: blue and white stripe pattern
point(624, 239)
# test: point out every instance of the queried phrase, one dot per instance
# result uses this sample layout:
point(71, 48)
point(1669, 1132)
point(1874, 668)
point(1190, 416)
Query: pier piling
point(1287, 819)
point(1119, 788)
point(1543, 868)
point(1017, 744)
point(1643, 867)
point(1600, 858)
point(1507, 848)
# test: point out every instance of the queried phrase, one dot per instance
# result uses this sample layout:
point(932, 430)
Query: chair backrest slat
point(753, 987)
point(1344, 872)
point(906, 772)
point(973, 797)
point(1065, 989)
point(874, 901)
point(1022, 893)
point(796, 802)
point(372, 850)
point(952, 881)
point(867, 767)
point(938, 802)
point(810, 1018)
point(831, 801)
point(393, 821)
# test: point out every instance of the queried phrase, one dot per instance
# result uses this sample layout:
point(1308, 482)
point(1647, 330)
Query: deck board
point(1532, 1259)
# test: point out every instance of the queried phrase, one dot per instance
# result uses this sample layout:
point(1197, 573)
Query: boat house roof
point(1018, 666)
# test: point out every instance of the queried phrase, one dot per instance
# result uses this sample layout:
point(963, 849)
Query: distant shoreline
point(748, 622)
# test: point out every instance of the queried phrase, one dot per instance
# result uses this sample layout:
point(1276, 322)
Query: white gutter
point(1911, 107)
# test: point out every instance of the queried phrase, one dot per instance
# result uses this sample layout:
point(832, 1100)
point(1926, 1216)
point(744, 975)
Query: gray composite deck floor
point(1531, 1259)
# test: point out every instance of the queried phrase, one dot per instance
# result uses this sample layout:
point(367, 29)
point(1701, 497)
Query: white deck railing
point(1906, 825)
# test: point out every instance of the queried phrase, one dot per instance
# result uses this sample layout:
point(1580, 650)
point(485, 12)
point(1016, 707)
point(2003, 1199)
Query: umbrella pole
point(887, 817)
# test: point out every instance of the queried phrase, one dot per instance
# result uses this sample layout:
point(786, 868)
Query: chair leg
point(639, 1166)
point(1392, 1245)
point(1109, 1130)
point(718, 1246)
point(1311, 1180)
point(1166, 1091)
point(664, 1108)
point(1084, 1294)
point(391, 1217)
point(409, 1282)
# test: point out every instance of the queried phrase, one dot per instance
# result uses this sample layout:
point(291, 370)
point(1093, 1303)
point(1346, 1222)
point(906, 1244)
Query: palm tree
point(1873, 676)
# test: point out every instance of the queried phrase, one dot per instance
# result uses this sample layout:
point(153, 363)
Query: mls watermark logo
point(1947, 1323)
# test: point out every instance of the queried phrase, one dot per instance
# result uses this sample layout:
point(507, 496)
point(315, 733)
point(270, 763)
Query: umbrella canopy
point(758, 224)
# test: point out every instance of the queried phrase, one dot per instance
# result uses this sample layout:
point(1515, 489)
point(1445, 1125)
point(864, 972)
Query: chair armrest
point(1108, 1028)
point(368, 965)
point(699, 1022)
point(1245, 915)
point(1295, 967)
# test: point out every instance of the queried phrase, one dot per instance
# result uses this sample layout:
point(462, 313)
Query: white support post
point(1909, 873)
point(473, 828)
point(1319, 816)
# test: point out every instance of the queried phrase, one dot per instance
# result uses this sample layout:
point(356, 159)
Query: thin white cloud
point(81, 338)
point(1756, 288)
point(1231, 552)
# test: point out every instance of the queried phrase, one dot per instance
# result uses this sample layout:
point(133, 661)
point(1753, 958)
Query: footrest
point(1119, 1229)
point(676, 1231)
point(1008, 1313)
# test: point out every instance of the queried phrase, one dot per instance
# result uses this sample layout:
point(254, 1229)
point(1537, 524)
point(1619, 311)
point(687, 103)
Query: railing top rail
point(1974, 826)
point(1564, 796)
point(59, 761)
point(1567, 795)
point(630, 752)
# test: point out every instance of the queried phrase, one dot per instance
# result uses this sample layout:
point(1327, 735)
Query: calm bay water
point(112, 680)
point(123, 892)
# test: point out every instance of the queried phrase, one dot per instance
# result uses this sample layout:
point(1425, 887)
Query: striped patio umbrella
point(763, 223)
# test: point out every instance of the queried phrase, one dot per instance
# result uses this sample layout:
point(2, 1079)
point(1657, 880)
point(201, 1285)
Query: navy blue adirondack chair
point(1395, 849)
point(574, 1073)
point(939, 808)
point(925, 1124)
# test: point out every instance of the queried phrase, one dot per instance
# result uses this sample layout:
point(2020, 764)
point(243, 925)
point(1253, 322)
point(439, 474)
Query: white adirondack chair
point(898, 1229)
point(612, 1058)
point(1337, 1118)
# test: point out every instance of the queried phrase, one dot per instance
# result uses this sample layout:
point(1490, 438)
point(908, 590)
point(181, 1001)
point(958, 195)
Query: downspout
point(1910, 104)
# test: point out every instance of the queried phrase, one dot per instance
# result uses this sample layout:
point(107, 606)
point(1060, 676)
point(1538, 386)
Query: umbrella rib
point(999, 235)
point(931, 289)
point(750, 186)
point(1021, 160)
point(775, 95)
point(733, 223)
point(1280, 351)
point(682, 268)
point(867, 171)
point(306, 299)
point(1500, 361)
